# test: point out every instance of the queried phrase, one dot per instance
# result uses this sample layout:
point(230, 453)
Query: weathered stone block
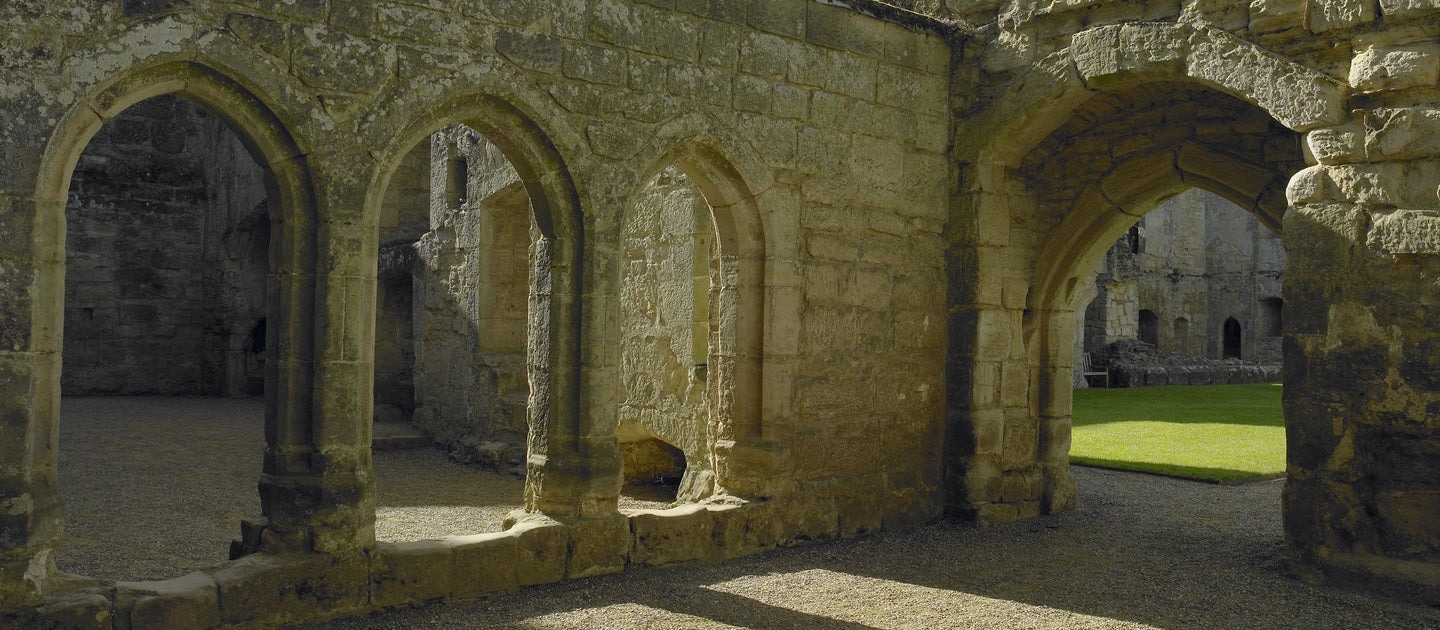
point(1399, 10)
point(1376, 68)
point(598, 546)
point(264, 588)
point(410, 573)
point(679, 534)
point(595, 64)
point(532, 51)
point(1405, 232)
point(191, 601)
point(484, 564)
point(74, 611)
point(542, 550)
point(334, 60)
point(1337, 14)
point(1268, 16)
point(1402, 133)
point(742, 528)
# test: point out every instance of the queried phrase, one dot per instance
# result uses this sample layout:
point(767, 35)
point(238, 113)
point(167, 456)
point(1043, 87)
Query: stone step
point(397, 436)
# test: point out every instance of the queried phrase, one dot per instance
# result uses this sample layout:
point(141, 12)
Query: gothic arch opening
point(1232, 342)
point(167, 340)
point(1149, 331)
point(1122, 151)
point(456, 292)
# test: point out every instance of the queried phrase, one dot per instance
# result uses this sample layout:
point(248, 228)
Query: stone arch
point(992, 146)
point(558, 444)
point(1111, 56)
point(1102, 216)
point(1149, 327)
point(1232, 339)
point(292, 212)
point(736, 398)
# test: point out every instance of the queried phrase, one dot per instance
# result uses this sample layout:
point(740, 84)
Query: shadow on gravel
point(1143, 550)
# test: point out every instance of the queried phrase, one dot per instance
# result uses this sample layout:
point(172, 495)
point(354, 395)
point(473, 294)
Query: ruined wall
point(471, 286)
point(404, 218)
point(1200, 259)
point(167, 245)
point(1246, 264)
point(901, 209)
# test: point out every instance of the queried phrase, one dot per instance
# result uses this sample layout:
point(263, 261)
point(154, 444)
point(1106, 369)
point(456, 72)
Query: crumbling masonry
point(902, 214)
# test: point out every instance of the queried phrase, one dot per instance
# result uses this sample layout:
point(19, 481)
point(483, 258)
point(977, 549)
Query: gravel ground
point(156, 487)
point(153, 493)
point(1142, 551)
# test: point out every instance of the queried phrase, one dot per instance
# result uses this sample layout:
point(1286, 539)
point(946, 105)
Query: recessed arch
point(737, 311)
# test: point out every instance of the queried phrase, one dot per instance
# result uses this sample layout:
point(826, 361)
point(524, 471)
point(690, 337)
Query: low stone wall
point(264, 589)
point(1224, 374)
point(1138, 364)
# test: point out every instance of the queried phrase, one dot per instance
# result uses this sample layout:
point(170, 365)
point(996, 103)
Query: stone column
point(573, 459)
point(318, 488)
point(1362, 347)
point(32, 290)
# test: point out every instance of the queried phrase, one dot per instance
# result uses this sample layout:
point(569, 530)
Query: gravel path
point(1143, 551)
point(156, 487)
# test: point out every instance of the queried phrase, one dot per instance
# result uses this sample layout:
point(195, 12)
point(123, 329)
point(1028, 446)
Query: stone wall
point(167, 249)
point(471, 288)
point(904, 211)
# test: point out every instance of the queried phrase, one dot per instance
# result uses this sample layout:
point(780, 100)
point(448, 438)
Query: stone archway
point(292, 210)
point(1334, 424)
point(568, 475)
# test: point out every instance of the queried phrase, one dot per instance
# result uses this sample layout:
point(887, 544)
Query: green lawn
point(1221, 433)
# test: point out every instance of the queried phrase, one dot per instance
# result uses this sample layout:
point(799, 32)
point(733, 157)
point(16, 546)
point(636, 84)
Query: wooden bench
point(1088, 370)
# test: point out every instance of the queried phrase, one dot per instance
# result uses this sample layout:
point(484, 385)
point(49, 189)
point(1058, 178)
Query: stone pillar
point(985, 355)
point(573, 461)
point(318, 488)
point(1362, 352)
point(32, 290)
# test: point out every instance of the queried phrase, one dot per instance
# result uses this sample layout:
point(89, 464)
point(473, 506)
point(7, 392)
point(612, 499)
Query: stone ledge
point(262, 589)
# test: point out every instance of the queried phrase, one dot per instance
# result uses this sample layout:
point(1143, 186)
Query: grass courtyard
point(1220, 433)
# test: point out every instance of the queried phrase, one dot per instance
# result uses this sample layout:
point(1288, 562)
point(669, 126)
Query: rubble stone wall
point(471, 288)
point(665, 332)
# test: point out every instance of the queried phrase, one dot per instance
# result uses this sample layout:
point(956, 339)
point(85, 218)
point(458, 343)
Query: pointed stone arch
point(292, 258)
point(564, 459)
point(993, 315)
point(744, 456)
